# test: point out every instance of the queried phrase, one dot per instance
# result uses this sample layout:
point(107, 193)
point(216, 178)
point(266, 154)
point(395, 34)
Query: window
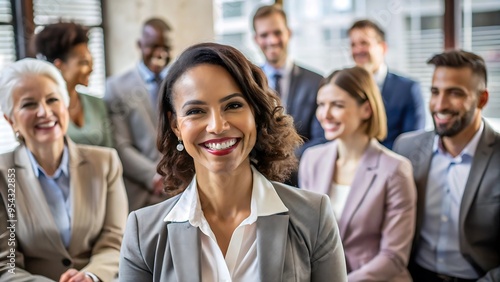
point(232, 9)
point(85, 12)
point(7, 55)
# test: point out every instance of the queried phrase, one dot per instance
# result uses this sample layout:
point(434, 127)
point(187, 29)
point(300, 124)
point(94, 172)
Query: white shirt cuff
point(92, 276)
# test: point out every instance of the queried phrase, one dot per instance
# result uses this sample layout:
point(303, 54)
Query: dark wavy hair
point(57, 40)
point(273, 154)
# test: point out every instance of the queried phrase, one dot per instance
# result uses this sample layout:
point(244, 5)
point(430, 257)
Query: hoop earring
point(180, 146)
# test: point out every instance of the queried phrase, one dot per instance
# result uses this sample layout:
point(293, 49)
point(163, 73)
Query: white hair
point(13, 73)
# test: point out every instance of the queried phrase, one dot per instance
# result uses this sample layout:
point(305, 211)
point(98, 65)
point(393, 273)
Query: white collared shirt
point(380, 76)
point(241, 262)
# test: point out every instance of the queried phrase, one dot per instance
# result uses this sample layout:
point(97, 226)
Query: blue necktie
point(277, 86)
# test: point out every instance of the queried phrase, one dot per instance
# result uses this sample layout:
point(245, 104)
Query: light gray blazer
point(134, 131)
point(378, 221)
point(302, 244)
point(479, 220)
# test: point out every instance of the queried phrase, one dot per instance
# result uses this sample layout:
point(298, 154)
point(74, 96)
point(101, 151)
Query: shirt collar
point(265, 201)
point(147, 74)
point(380, 75)
point(284, 71)
point(63, 166)
point(470, 148)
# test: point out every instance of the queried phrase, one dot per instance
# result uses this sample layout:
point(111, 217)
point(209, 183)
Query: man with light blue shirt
point(132, 101)
point(456, 172)
point(296, 86)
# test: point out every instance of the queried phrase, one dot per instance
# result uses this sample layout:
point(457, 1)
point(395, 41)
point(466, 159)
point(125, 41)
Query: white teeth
point(221, 146)
point(47, 125)
point(443, 116)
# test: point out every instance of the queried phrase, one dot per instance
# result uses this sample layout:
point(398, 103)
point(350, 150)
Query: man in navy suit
point(296, 85)
point(402, 97)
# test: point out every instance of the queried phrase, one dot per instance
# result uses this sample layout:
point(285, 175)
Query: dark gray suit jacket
point(480, 208)
point(301, 105)
point(300, 245)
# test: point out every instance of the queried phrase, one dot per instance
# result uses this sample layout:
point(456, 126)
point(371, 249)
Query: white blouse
point(241, 262)
point(338, 197)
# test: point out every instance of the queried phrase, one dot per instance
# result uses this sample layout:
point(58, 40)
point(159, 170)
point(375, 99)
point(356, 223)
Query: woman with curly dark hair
point(225, 143)
point(65, 45)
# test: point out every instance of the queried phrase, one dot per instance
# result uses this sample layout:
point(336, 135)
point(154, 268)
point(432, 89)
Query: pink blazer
point(378, 220)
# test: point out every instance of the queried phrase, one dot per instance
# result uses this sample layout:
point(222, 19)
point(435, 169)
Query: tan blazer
point(99, 212)
point(378, 220)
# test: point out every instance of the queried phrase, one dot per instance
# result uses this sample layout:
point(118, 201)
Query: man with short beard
point(132, 101)
point(456, 171)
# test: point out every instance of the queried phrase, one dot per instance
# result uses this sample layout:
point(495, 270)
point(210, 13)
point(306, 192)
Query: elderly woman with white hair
point(63, 206)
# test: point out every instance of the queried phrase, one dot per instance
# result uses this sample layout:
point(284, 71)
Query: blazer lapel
point(271, 246)
point(294, 80)
point(35, 206)
point(143, 94)
point(479, 165)
point(185, 243)
point(363, 179)
point(81, 183)
point(325, 174)
point(421, 159)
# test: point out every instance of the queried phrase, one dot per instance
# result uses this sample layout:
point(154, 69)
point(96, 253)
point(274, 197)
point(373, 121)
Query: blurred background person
point(132, 102)
point(224, 141)
point(66, 46)
point(296, 86)
point(370, 188)
point(70, 200)
point(402, 97)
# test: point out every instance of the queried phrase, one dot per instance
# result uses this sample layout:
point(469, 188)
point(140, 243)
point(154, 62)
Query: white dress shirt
point(380, 76)
point(241, 261)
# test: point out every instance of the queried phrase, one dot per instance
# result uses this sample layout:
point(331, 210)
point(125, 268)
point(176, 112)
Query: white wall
point(191, 20)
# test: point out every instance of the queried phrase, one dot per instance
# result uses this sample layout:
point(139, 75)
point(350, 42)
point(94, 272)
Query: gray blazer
point(300, 245)
point(134, 132)
point(479, 225)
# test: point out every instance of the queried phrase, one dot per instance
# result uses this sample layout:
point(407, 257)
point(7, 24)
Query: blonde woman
point(371, 188)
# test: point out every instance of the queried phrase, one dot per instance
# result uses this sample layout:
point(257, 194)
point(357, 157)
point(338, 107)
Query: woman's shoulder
point(318, 151)
point(152, 217)
point(390, 159)
point(299, 201)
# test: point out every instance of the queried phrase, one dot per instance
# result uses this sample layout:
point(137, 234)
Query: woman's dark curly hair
point(57, 40)
point(273, 153)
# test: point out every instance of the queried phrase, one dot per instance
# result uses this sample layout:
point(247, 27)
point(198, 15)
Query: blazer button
point(66, 262)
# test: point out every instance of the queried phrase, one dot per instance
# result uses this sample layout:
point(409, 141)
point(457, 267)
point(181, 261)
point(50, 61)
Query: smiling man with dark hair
point(456, 173)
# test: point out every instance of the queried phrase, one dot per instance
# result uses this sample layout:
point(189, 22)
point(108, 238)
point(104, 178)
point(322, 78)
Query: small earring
point(18, 136)
point(180, 146)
